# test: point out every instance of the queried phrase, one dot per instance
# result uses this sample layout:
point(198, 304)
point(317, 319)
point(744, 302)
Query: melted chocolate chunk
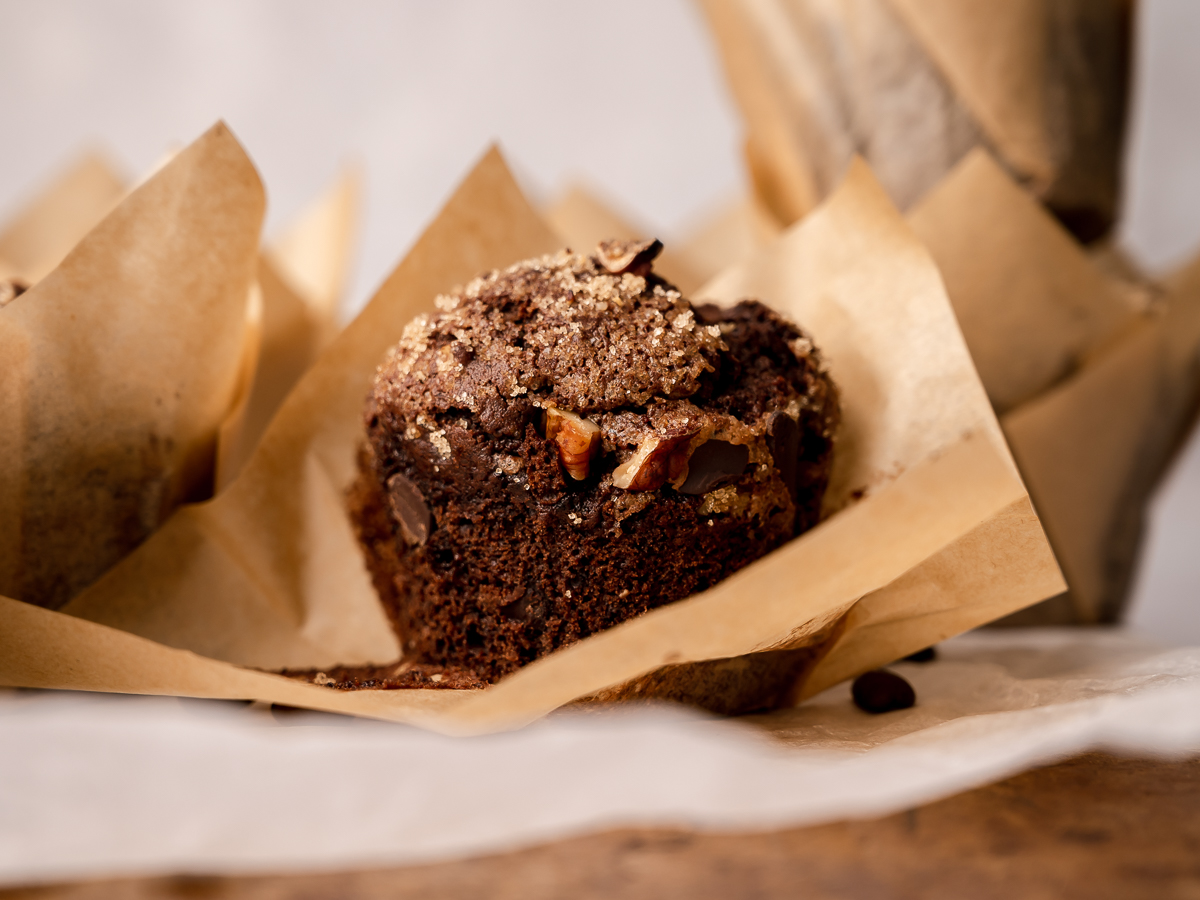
point(410, 509)
point(713, 463)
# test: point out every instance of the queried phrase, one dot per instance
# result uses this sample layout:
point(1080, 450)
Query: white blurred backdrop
point(625, 95)
point(622, 93)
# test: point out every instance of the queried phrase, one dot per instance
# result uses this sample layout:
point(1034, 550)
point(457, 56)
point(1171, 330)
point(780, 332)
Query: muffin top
point(564, 329)
point(612, 363)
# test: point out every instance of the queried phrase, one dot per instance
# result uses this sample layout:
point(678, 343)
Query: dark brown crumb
point(389, 678)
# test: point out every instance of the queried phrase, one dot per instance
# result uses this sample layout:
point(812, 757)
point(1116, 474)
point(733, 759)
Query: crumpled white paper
point(97, 785)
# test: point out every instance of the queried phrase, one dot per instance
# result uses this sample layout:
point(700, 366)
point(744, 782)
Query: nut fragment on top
point(620, 257)
point(576, 438)
point(656, 461)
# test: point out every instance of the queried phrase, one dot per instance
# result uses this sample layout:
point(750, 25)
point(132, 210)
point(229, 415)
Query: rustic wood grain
point(1095, 827)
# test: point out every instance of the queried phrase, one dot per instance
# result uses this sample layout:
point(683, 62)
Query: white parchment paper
point(97, 785)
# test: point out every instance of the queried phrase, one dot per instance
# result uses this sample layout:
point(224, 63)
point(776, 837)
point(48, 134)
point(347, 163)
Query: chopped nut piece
point(577, 440)
point(652, 464)
point(628, 256)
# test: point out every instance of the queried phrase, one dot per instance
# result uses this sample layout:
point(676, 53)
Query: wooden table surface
point(1094, 827)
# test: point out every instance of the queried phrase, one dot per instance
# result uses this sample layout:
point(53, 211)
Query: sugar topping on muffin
point(561, 328)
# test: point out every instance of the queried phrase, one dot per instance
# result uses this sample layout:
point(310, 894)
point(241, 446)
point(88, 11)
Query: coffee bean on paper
point(881, 691)
point(929, 654)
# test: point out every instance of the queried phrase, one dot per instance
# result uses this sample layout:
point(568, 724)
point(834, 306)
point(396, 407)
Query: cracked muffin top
point(609, 360)
point(562, 329)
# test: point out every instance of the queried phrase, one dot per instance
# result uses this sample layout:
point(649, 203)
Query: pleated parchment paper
point(1096, 379)
point(1097, 384)
point(930, 530)
point(913, 85)
point(302, 276)
point(40, 234)
point(300, 279)
point(123, 363)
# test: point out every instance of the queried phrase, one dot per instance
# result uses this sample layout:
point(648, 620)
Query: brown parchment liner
point(121, 366)
point(1031, 304)
point(39, 235)
point(301, 277)
point(314, 251)
point(915, 84)
point(1094, 447)
point(1097, 383)
point(820, 82)
point(291, 318)
point(728, 235)
point(267, 574)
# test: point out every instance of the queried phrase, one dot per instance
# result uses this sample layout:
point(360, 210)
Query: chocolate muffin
point(570, 443)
